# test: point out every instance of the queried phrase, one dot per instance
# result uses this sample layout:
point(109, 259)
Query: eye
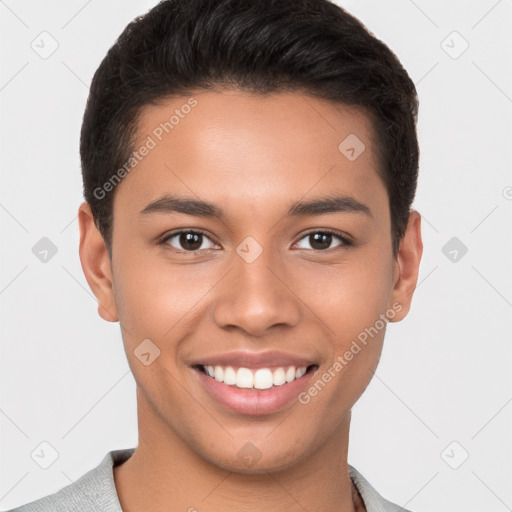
point(189, 241)
point(192, 240)
point(321, 240)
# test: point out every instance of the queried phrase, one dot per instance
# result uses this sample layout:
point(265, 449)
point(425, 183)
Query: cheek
point(351, 299)
point(351, 294)
point(152, 296)
point(361, 324)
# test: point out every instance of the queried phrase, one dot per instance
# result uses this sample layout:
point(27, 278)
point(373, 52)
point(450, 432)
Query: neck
point(163, 470)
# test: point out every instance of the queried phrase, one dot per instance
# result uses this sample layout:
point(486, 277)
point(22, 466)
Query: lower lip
point(254, 401)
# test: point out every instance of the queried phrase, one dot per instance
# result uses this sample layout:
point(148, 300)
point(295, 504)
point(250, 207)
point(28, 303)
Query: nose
point(256, 296)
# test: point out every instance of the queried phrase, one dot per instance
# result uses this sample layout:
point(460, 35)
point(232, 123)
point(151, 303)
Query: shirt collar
point(108, 499)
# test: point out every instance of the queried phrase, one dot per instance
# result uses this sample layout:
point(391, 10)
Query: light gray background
point(445, 372)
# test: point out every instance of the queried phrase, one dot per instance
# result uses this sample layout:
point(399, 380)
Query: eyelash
point(345, 241)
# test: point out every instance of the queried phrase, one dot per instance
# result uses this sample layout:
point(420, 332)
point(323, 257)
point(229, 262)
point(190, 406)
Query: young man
point(249, 169)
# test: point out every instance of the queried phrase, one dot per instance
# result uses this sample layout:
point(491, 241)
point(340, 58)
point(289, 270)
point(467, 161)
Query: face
point(253, 236)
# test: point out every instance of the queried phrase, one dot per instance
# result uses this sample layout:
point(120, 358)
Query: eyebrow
point(318, 206)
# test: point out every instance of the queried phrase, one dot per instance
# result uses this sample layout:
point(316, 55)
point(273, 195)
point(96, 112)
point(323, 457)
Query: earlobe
point(96, 264)
point(407, 266)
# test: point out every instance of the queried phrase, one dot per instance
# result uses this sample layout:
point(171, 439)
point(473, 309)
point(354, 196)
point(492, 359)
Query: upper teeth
point(262, 378)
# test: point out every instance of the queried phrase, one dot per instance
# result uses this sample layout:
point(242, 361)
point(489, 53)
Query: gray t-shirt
point(96, 491)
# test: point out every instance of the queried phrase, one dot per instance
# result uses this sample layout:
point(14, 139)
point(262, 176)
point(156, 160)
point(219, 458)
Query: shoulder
point(93, 491)
point(373, 501)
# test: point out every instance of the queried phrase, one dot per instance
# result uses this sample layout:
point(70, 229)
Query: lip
point(254, 360)
point(253, 402)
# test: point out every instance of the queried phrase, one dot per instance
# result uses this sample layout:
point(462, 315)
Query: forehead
point(229, 145)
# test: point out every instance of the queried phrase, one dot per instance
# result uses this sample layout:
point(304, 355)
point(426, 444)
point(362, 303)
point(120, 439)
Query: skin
point(253, 156)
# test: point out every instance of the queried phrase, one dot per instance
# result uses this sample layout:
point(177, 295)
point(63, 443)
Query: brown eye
point(186, 241)
point(322, 240)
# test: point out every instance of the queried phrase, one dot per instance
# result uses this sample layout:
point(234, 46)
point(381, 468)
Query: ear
point(407, 266)
point(96, 264)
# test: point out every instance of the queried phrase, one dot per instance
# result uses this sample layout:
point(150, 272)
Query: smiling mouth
point(256, 379)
